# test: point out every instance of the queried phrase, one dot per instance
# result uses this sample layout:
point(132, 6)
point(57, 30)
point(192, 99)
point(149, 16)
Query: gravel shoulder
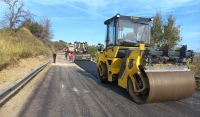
point(15, 72)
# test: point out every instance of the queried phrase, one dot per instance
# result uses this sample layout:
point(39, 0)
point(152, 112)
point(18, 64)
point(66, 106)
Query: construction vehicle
point(68, 50)
point(81, 51)
point(148, 74)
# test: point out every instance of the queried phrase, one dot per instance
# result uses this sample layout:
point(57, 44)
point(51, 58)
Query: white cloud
point(90, 8)
point(166, 4)
point(100, 8)
point(190, 11)
point(84, 10)
point(94, 3)
point(147, 7)
point(191, 35)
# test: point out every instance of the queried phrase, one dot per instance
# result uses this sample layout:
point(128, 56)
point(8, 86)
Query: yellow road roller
point(149, 75)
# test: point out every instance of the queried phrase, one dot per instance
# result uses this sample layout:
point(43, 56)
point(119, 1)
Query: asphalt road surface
point(69, 91)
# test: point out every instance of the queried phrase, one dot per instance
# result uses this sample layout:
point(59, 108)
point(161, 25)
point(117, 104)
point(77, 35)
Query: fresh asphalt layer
point(72, 90)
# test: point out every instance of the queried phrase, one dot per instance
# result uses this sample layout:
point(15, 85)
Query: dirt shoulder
point(14, 72)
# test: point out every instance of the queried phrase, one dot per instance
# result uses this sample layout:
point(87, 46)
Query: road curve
point(69, 91)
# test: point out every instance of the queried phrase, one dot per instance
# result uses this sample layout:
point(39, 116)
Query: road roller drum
point(170, 85)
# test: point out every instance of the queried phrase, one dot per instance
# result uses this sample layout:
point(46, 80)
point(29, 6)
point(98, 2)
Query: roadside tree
point(15, 15)
point(165, 32)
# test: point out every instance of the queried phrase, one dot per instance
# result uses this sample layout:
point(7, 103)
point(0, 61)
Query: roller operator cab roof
point(134, 19)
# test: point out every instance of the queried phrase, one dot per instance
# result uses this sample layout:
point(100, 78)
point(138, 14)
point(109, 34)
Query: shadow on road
point(90, 67)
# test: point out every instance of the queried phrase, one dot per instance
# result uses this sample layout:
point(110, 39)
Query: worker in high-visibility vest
point(95, 57)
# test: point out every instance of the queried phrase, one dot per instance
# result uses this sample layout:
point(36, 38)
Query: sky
point(83, 20)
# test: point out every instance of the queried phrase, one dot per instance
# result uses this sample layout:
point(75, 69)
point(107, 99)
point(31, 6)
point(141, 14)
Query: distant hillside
point(20, 44)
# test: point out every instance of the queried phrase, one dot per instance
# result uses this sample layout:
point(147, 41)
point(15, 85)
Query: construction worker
point(54, 57)
point(66, 55)
point(72, 57)
point(69, 56)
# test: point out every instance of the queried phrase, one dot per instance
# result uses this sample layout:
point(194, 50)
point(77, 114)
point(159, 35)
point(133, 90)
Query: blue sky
point(83, 20)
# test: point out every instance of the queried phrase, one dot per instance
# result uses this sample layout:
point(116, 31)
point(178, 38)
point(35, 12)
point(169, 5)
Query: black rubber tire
point(102, 78)
point(134, 96)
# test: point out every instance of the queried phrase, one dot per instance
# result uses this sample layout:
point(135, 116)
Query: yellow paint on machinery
point(149, 75)
point(135, 56)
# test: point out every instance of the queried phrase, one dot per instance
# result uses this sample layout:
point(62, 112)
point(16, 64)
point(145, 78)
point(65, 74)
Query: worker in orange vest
point(69, 56)
point(72, 57)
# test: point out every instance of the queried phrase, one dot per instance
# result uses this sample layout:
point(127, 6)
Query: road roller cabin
point(149, 75)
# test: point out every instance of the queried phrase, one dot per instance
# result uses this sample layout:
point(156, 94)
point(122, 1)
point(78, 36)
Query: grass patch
point(195, 68)
point(20, 44)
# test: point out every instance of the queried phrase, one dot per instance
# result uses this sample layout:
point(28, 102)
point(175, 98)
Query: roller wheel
point(138, 97)
point(102, 73)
